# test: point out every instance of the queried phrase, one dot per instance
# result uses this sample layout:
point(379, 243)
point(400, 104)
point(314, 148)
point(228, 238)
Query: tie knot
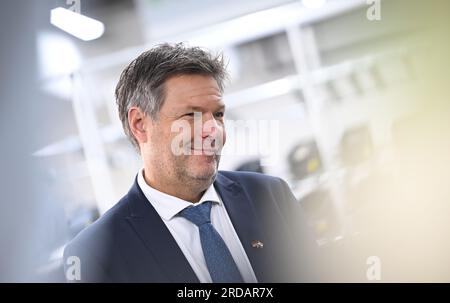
point(199, 214)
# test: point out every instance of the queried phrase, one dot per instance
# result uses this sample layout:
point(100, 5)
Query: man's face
point(193, 104)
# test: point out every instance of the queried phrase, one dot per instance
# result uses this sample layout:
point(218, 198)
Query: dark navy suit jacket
point(130, 242)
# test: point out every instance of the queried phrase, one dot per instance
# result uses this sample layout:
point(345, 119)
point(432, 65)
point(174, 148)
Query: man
point(182, 220)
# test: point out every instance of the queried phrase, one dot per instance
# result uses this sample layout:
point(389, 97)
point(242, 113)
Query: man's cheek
point(220, 140)
point(178, 139)
point(224, 136)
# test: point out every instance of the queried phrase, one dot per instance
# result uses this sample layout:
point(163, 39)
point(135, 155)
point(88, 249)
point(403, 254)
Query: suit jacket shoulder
point(94, 246)
point(270, 190)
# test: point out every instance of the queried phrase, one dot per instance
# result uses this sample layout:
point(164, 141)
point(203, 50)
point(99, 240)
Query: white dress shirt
point(186, 233)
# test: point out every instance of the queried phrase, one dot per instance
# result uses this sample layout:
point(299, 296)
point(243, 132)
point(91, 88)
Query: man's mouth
point(209, 152)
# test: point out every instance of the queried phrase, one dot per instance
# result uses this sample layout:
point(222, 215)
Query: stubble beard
point(194, 180)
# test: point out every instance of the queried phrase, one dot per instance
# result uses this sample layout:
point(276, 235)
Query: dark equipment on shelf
point(319, 208)
point(252, 166)
point(304, 160)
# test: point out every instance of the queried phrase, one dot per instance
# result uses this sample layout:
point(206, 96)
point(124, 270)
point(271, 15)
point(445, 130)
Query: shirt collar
point(168, 206)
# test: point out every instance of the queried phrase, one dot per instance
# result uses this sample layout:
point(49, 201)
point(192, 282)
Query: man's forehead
point(202, 101)
point(193, 90)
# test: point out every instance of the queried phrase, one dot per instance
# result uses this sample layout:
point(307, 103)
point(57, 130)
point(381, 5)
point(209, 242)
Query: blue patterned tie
point(219, 261)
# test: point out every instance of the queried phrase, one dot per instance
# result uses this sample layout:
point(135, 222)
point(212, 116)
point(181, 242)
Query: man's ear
point(138, 124)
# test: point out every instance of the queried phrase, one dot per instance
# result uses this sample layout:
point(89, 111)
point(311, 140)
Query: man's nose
point(210, 128)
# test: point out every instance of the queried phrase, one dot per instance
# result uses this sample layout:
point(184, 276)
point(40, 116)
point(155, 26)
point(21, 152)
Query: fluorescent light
point(313, 3)
point(80, 26)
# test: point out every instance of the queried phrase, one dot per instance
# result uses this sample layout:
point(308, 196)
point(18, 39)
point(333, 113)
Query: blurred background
point(351, 97)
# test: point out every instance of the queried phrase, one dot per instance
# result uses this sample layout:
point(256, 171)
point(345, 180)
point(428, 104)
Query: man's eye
point(189, 114)
point(219, 114)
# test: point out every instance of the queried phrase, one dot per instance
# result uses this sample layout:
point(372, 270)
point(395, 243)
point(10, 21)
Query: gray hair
point(141, 83)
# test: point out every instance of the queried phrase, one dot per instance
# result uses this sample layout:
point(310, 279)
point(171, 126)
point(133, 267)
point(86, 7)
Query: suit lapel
point(246, 223)
point(158, 239)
